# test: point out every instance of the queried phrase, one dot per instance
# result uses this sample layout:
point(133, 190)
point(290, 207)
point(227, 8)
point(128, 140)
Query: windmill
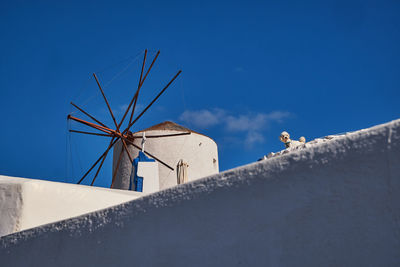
point(117, 133)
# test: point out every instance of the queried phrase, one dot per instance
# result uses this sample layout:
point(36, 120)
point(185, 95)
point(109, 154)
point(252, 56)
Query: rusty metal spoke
point(135, 95)
point(152, 102)
point(98, 169)
point(105, 99)
point(97, 161)
point(82, 132)
point(140, 85)
point(87, 114)
point(93, 125)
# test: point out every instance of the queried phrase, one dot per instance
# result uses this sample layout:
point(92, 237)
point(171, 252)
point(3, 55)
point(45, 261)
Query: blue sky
point(251, 69)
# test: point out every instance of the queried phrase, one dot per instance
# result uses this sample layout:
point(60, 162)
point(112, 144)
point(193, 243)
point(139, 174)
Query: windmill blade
point(105, 99)
point(98, 169)
point(97, 161)
point(102, 158)
point(82, 132)
point(136, 93)
point(140, 85)
point(143, 64)
point(106, 153)
point(90, 116)
point(152, 102)
point(93, 125)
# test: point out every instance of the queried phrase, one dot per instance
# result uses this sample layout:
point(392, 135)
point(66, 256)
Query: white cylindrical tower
point(191, 156)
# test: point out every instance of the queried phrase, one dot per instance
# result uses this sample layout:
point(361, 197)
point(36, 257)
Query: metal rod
point(87, 114)
point(98, 127)
point(98, 169)
point(91, 168)
point(112, 142)
point(151, 65)
point(106, 153)
point(143, 64)
point(140, 86)
point(136, 93)
point(105, 99)
point(154, 100)
point(110, 145)
point(82, 132)
point(97, 161)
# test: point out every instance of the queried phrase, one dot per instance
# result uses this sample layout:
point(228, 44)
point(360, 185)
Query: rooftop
point(169, 126)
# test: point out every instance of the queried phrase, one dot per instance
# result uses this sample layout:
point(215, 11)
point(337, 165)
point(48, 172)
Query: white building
point(195, 153)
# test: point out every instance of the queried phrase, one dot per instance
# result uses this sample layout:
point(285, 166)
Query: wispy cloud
point(251, 124)
point(203, 118)
point(122, 108)
point(252, 138)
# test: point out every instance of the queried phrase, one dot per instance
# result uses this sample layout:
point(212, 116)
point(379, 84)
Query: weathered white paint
point(149, 172)
point(335, 203)
point(28, 203)
point(199, 151)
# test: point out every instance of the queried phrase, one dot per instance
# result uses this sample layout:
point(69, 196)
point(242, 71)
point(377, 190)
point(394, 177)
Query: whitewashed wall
point(199, 151)
point(27, 203)
point(332, 204)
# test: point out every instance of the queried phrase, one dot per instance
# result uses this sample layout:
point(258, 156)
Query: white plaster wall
point(10, 207)
point(197, 150)
point(28, 203)
point(331, 204)
point(149, 172)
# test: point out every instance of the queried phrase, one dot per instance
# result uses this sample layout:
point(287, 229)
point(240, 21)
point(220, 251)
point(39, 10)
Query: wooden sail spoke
point(112, 143)
point(105, 99)
point(90, 133)
point(97, 161)
point(87, 114)
point(98, 169)
point(106, 153)
point(152, 102)
point(143, 64)
point(140, 85)
point(93, 125)
point(136, 93)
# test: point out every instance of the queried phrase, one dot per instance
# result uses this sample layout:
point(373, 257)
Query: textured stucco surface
point(10, 207)
point(27, 203)
point(331, 204)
